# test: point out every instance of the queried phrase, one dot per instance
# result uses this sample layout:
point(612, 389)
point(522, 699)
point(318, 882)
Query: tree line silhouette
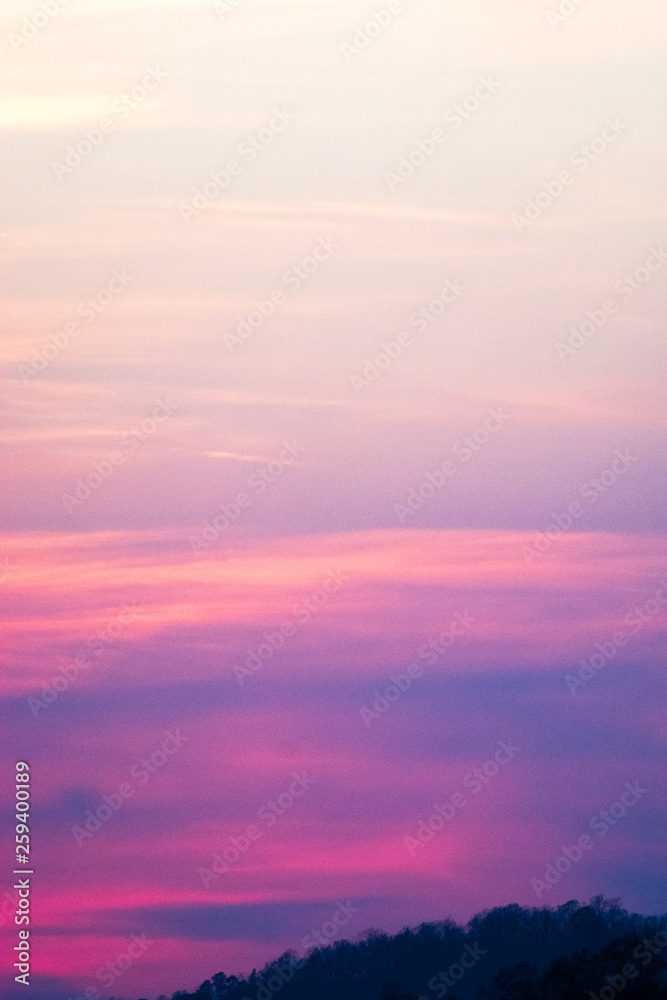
point(573, 952)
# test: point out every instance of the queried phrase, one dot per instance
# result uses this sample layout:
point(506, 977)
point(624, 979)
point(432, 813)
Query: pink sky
point(268, 410)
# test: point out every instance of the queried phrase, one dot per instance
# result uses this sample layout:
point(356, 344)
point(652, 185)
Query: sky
point(333, 440)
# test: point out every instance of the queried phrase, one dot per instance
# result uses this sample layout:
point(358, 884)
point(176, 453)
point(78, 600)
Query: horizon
point(333, 530)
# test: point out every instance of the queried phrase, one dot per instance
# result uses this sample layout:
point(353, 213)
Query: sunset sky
point(384, 396)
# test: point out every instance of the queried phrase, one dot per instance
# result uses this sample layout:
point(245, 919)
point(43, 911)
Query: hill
point(574, 952)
